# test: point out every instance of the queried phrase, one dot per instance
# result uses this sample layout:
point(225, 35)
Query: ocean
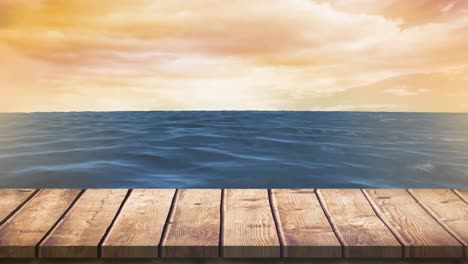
point(233, 149)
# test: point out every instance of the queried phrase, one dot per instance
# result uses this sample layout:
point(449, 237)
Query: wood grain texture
point(361, 232)
point(420, 234)
point(11, 199)
point(247, 224)
point(249, 230)
point(448, 209)
point(79, 233)
point(234, 261)
point(20, 234)
point(304, 228)
point(193, 230)
point(139, 226)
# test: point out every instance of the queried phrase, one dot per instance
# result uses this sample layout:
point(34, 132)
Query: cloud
point(207, 54)
point(404, 91)
point(407, 13)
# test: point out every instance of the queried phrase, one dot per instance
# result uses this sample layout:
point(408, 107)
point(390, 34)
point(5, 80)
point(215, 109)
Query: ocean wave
point(233, 150)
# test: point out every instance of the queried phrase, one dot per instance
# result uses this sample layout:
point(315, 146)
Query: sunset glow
point(388, 55)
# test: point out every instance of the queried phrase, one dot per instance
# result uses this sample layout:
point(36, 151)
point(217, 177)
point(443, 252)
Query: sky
point(320, 55)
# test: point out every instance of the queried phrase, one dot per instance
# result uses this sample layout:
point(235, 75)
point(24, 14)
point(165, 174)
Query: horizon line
point(199, 110)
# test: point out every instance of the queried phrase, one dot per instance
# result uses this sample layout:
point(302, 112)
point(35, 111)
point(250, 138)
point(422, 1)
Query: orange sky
point(386, 55)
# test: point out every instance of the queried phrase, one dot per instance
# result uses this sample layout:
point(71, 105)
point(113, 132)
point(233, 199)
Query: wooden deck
point(234, 223)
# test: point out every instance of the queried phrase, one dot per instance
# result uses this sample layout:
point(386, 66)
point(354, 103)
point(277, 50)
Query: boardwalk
point(234, 223)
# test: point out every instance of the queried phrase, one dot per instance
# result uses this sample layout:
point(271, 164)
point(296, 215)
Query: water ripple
point(233, 150)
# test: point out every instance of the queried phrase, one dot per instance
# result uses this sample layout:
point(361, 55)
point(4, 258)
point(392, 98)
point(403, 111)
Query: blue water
point(233, 150)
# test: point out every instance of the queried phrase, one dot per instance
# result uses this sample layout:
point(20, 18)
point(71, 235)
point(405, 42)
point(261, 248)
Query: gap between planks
point(421, 235)
point(222, 207)
point(65, 213)
point(332, 225)
point(106, 233)
point(19, 206)
point(276, 220)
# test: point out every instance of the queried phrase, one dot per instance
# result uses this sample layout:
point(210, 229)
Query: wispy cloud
point(404, 91)
point(207, 54)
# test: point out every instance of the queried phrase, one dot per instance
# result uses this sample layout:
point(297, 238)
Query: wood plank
point(463, 194)
point(304, 228)
point(429, 223)
point(420, 234)
point(11, 199)
point(233, 261)
point(448, 209)
point(193, 230)
point(139, 226)
point(79, 233)
point(249, 230)
point(361, 232)
point(20, 234)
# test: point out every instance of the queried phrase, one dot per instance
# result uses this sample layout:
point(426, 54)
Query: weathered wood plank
point(420, 234)
point(233, 261)
point(304, 228)
point(359, 229)
point(11, 199)
point(193, 230)
point(139, 226)
point(368, 223)
point(249, 229)
point(20, 234)
point(448, 209)
point(79, 233)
